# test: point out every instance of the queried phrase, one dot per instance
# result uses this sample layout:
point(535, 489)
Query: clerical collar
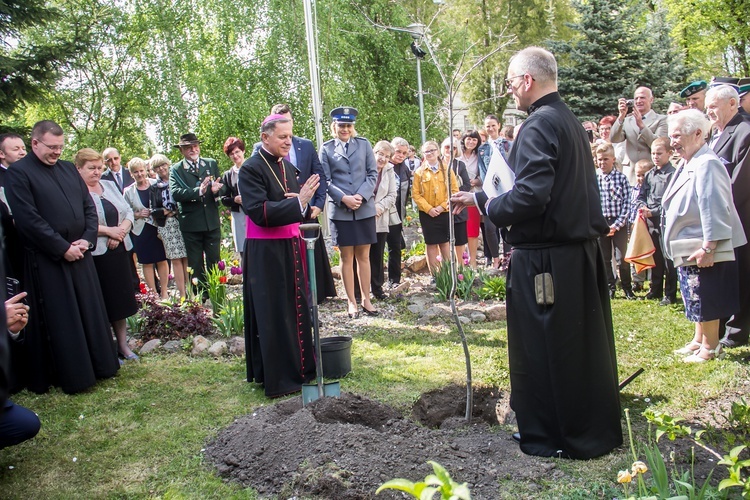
point(269, 155)
point(545, 99)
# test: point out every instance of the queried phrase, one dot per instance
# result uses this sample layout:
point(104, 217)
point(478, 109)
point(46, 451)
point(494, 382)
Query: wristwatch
point(707, 250)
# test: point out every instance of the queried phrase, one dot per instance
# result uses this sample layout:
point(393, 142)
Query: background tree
point(530, 22)
point(603, 60)
point(664, 66)
point(714, 35)
point(27, 69)
point(618, 46)
point(99, 100)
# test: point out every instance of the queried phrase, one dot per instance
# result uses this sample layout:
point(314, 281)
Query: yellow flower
point(639, 468)
point(189, 270)
point(624, 476)
point(235, 262)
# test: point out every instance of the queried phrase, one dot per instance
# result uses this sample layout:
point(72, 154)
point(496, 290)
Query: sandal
point(690, 348)
point(716, 353)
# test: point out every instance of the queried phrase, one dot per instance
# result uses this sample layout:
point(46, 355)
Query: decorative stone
point(149, 346)
point(478, 317)
point(415, 308)
point(464, 320)
point(218, 349)
point(497, 313)
point(416, 263)
point(234, 279)
point(200, 345)
point(422, 299)
point(173, 346)
point(433, 312)
point(237, 346)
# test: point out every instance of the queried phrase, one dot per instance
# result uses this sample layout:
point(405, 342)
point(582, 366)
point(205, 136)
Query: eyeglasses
point(508, 81)
point(430, 151)
point(107, 160)
point(54, 149)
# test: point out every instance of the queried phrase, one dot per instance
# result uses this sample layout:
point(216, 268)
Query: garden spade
point(311, 392)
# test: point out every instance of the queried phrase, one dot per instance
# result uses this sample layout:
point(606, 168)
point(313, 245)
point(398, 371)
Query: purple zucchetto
point(274, 117)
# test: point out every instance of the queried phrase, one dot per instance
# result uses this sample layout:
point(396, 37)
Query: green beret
point(693, 88)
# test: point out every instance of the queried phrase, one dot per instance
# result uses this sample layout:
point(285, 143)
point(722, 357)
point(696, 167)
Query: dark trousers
point(395, 243)
point(199, 243)
point(491, 239)
point(377, 278)
point(617, 245)
point(663, 267)
point(738, 326)
point(17, 424)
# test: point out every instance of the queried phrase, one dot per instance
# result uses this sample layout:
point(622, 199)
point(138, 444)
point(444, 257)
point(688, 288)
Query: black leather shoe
point(653, 296)
point(666, 301)
point(354, 315)
point(611, 294)
point(516, 437)
point(630, 295)
point(380, 296)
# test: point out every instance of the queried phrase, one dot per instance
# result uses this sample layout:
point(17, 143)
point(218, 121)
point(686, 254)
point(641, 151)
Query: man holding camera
point(638, 125)
point(194, 186)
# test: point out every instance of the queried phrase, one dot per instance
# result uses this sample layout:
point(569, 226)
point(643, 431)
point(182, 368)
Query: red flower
point(222, 279)
point(143, 287)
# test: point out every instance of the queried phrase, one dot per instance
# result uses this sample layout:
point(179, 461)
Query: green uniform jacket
point(197, 213)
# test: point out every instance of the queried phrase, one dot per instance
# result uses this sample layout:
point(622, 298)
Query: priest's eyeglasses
point(508, 81)
point(54, 149)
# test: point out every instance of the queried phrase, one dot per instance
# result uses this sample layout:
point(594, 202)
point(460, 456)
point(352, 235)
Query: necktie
point(118, 178)
point(346, 148)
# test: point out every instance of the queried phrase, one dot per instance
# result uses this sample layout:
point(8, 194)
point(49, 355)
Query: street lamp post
point(417, 32)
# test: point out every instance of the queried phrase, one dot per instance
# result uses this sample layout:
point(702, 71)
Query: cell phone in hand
point(12, 287)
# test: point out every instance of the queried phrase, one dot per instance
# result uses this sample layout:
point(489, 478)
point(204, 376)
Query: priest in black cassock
point(561, 349)
point(68, 339)
point(278, 333)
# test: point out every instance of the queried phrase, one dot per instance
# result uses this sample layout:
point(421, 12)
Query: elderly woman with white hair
point(701, 228)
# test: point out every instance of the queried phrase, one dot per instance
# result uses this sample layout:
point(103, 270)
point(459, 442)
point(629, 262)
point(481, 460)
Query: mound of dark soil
point(344, 448)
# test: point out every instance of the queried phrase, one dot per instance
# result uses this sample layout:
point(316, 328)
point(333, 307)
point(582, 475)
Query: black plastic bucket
point(337, 356)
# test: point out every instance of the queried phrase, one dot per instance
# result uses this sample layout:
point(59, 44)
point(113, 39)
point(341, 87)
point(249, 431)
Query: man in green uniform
point(195, 186)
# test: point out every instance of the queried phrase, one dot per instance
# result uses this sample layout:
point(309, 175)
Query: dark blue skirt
point(148, 246)
point(709, 292)
point(349, 233)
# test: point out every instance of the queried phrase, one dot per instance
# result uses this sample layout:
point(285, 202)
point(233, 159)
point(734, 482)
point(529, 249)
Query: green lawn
point(141, 434)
